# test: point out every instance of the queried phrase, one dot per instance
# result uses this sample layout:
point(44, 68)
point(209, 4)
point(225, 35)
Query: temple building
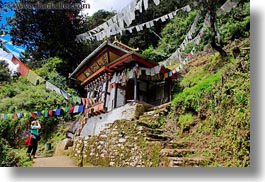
point(115, 74)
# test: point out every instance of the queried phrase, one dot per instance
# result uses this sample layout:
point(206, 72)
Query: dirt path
point(55, 161)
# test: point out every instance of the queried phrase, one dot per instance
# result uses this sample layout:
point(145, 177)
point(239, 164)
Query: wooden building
point(114, 74)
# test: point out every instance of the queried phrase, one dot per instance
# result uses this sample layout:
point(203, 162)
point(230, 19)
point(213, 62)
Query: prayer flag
point(76, 109)
point(50, 112)
point(38, 113)
point(58, 112)
point(46, 113)
point(81, 108)
point(71, 109)
point(32, 114)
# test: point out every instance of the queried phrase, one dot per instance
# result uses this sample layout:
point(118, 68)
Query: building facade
point(115, 74)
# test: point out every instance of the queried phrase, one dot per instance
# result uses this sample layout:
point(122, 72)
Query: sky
point(95, 5)
point(106, 5)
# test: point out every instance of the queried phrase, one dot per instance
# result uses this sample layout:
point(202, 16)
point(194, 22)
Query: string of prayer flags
point(65, 94)
point(50, 86)
point(176, 55)
point(227, 7)
point(117, 23)
point(33, 78)
point(22, 68)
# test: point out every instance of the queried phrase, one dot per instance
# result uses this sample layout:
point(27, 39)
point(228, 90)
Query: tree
point(4, 74)
point(2, 11)
point(48, 32)
point(211, 6)
point(145, 38)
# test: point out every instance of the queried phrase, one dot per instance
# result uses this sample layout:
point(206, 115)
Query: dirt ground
point(55, 161)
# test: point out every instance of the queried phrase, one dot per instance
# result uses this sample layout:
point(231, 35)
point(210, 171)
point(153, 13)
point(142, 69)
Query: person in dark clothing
point(34, 132)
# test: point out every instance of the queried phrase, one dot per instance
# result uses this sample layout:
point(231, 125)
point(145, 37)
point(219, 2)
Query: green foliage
point(21, 96)
point(236, 24)
point(213, 106)
point(154, 54)
point(172, 36)
point(146, 38)
point(190, 96)
point(185, 120)
point(48, 33)
point(4, 74)
point(7, 157)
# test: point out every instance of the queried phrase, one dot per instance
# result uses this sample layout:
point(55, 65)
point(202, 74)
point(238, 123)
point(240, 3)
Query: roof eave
point(97, 50)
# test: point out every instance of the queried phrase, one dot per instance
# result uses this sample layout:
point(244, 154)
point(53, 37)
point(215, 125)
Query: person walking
point(34, 138)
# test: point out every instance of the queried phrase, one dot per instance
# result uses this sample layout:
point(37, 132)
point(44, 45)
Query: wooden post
point(169, 88)
point(135, 87)
point(106, 93)
point(115, 96)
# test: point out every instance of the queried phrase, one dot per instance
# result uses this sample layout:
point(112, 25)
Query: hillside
point(207, 124)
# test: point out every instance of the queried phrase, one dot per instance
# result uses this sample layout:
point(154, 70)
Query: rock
point(122, 140)
point(86, 138)
point(104, 136)
point(70, 135)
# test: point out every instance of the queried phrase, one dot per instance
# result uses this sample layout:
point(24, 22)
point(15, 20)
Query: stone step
point(153, 137)
point(156, 111)
point(150, 118)
point(147, 125)
point(176, 145)
point(187, 161)
point(70, 149)
point(177, 152)
point(166, 106)
point(149, 130)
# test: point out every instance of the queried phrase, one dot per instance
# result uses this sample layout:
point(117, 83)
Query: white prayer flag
point(170, 15)
point(157, 2)
point(145, 4)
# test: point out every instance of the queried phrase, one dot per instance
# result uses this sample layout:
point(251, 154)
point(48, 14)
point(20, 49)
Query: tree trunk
point(213, 32)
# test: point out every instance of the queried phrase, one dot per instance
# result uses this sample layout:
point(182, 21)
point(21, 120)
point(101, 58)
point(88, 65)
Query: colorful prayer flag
point(58, 112)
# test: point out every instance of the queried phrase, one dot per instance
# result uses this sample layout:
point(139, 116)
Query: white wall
point(98, 123)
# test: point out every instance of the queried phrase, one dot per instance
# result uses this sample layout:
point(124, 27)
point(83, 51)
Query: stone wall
point(121, 145)
point(143, 142)
point(96, 124)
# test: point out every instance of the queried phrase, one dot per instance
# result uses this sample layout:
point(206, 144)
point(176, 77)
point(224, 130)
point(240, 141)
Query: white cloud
point(109, 5)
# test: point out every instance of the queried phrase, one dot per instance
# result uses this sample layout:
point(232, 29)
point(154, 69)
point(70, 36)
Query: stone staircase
point(172, 154)
point(181, 157)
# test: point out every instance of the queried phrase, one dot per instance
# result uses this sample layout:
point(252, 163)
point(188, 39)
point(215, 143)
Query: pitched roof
point(94, 53)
